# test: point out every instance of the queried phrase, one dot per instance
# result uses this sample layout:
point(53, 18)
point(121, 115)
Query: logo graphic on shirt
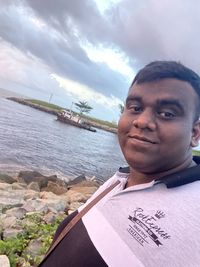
point(145, 227)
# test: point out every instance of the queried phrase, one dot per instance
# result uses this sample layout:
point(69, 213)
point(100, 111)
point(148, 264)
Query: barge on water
point(75, 120)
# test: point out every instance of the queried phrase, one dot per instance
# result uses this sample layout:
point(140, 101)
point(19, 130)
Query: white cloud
point(83, 92)
point(103, 5)
point(113, 57)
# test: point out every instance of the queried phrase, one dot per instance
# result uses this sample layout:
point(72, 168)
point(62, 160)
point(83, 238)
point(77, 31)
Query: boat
point(74, 119)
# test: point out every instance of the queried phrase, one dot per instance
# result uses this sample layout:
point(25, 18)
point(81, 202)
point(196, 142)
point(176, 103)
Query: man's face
point(157, 129)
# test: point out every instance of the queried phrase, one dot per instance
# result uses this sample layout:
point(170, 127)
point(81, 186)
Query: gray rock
point(5, 186)
point(50, 217)
point(16, 212)
point(4, 261)
point(19, 186)
point(11, 198)
point(77, 180)
point(4, 178)
point(11, 232)
point(43, 205)
point(30, 194)
point(33, 249)
point(33, 176)
point(34, 186)
point(8, 222)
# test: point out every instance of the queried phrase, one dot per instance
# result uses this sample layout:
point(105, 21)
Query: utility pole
point(51, 95)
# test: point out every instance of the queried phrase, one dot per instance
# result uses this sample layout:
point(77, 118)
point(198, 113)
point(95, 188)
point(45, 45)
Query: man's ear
point(195, 134)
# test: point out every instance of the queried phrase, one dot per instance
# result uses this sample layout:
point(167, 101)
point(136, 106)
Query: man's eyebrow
point(170, 102)
point(133, 98)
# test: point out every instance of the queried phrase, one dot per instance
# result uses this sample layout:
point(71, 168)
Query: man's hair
point(158, 70)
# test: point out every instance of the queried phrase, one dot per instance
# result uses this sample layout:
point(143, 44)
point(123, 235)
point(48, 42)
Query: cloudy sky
point(91, 49)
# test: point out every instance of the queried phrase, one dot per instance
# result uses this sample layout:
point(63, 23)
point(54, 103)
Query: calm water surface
point(34, 140)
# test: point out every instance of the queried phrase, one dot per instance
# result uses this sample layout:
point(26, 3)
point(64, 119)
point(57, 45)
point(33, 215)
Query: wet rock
point(77, 180)
point(33, 176)
point(7, 179)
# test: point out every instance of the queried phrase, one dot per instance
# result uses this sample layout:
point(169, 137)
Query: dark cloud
point(143, 30)
point(64, 56)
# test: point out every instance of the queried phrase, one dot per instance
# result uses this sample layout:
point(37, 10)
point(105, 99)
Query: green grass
point(36, 230)
point(196, 153)
point(45, 104)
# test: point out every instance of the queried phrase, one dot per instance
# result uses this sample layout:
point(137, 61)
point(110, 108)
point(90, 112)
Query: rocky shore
point(31, 207)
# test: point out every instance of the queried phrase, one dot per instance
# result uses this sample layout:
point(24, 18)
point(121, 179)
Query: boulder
point(87, 183)
point(50, 217)
point(33, 249)
point(4, 261)
point(34, 186)
point(77, 180)
point(16, 212)
point(5, 186)
point(74, 206)
point(86, 191)
point(11, 199)
point(4, 178)
point(46, 195)
point(31, 194)
point(19, 186)
point(8, 222)
point(74, 196)
point(33, 176)
point(43, 205)
point(55, 188)
point(11, 232)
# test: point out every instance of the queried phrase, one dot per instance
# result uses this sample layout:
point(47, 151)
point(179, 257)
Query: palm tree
point(83, 107)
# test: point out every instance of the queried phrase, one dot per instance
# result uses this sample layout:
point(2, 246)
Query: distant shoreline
point(53, 111)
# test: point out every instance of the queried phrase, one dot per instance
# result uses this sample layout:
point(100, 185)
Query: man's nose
point(145, 119)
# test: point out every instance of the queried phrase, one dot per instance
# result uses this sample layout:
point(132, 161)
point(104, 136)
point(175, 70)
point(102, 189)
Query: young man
point(151, 217)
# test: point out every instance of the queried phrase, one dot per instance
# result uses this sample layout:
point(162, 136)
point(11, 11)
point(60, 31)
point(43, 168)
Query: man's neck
point(136, 177)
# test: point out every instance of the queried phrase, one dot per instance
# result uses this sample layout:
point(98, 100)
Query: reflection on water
point(31, 139)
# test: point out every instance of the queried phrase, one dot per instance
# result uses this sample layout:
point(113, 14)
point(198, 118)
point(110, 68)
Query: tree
point(121, 108)
point(83, 107)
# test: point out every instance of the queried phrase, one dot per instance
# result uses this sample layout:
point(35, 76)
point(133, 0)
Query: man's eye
point(167, 114)
point(135, 108)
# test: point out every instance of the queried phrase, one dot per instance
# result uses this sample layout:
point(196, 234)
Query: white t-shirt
point(146, 225)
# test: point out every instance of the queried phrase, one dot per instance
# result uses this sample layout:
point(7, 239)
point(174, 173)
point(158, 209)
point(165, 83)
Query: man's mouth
point(143, 139)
